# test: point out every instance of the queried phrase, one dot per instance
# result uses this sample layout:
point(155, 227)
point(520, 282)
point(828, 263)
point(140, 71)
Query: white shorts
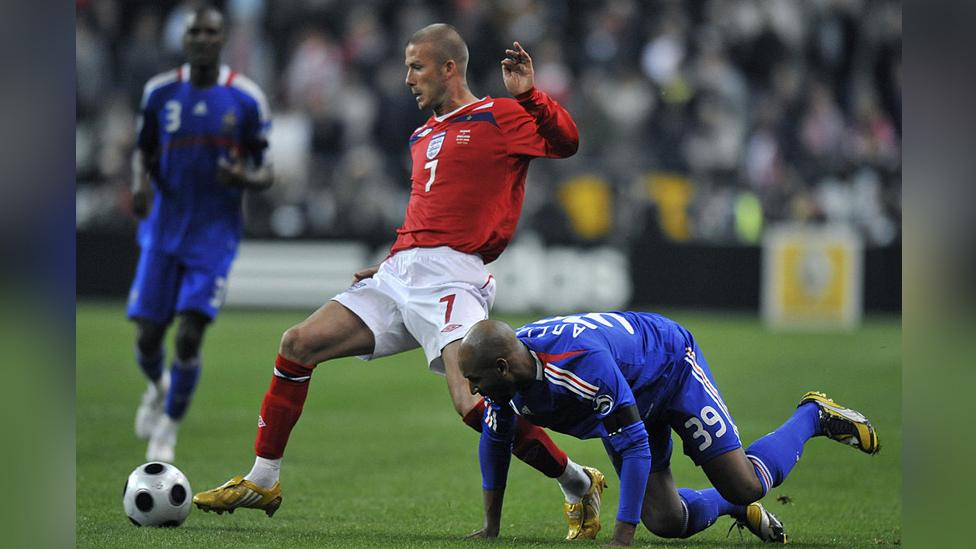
point(426, 297)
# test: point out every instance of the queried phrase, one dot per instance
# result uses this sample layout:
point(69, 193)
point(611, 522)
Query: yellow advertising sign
point(812, 277)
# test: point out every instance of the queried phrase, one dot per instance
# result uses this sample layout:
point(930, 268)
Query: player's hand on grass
point(484, 533)
point(623, 534)
point(231, 171)
point(517, 71)
point(363, 274)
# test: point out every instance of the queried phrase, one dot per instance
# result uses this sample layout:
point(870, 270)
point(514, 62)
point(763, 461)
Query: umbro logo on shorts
point(450, 328)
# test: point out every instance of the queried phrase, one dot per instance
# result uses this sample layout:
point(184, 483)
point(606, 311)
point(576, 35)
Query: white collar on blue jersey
point(538, 366)
point(223, 76)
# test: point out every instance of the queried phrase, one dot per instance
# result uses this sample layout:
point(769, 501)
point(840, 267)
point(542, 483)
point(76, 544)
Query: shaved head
point(205, 11)
point(446, 44)
point(486, 341)
point(494, 361)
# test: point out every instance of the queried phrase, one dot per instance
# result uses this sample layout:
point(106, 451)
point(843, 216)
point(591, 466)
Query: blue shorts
point(685, 399)
point(167, 284)
point(697, 412)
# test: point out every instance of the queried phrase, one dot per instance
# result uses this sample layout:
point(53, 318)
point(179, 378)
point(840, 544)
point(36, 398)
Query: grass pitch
point(379, 458)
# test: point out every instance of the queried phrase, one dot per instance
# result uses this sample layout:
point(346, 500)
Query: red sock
point(473, 417)
point(532, 444)
point(282, 407)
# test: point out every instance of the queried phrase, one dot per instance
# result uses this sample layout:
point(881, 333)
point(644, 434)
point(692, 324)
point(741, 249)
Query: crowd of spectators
point(700, 120)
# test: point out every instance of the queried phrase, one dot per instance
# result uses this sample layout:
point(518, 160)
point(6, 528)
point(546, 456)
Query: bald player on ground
point(630, 379)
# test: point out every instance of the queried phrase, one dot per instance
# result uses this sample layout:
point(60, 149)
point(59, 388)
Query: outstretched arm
point(631, 443)
point(493, 514)
point(494, 455)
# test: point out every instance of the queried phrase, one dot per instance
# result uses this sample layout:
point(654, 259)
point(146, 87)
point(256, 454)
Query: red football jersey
point(469, 168)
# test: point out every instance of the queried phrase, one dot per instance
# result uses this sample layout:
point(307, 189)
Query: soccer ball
point(156, 494)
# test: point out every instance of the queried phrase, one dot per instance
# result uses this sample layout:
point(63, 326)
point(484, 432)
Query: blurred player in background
point(629, 379)
point(201, 144)
point(470, 161)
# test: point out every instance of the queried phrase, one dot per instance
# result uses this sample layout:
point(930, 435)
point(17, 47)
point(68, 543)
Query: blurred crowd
point(700, 120)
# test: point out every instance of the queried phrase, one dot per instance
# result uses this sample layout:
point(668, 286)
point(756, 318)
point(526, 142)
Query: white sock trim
point(162, 384)
point(190, 364)
point(574, 482)
point(265, 472)
point(684, 521)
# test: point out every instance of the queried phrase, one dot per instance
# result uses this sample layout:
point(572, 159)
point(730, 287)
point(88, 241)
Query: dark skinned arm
point(141, 186)
point(493, 515)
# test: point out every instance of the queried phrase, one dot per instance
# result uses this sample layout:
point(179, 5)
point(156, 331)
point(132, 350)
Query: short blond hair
point(447, 43)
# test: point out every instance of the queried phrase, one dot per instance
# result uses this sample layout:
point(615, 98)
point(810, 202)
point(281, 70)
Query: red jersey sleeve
point(534, 125)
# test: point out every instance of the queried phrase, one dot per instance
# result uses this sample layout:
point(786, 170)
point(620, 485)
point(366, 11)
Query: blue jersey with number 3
point(183, 132)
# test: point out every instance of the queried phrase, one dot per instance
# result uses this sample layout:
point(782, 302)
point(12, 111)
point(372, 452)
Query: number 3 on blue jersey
point(173, 110)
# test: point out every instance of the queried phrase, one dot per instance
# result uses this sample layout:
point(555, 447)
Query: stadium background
point(703, 125)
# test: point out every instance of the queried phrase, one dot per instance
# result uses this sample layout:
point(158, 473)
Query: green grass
point(379, 458)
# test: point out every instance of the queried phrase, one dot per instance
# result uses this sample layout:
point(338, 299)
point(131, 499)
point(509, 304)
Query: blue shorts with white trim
point(693, 407)
point(167, 284)
point(698, 413)
point(685, 399)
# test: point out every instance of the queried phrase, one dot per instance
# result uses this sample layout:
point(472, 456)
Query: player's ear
point(501, 365)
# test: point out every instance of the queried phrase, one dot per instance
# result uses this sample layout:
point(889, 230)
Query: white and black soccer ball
point(157, 494)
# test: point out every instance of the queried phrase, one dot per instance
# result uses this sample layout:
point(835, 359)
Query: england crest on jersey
point(434, 146)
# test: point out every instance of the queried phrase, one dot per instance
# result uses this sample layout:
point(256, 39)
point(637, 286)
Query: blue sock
point(152, 366)
point(700, 511)
point(703, 507)
point(774, 455)
point(183, 378)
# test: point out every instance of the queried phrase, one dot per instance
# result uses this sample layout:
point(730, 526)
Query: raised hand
point(517, 71)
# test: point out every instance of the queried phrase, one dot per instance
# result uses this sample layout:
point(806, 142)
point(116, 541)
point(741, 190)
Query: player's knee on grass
point(189, 336)
point(149, 337)
point(663, 523)
point(739, 490)
point(734, 476)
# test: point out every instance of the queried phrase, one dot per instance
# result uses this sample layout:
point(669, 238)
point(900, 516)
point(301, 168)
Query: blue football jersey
point(183, 131)
point(588, 366)
point(592, 364)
